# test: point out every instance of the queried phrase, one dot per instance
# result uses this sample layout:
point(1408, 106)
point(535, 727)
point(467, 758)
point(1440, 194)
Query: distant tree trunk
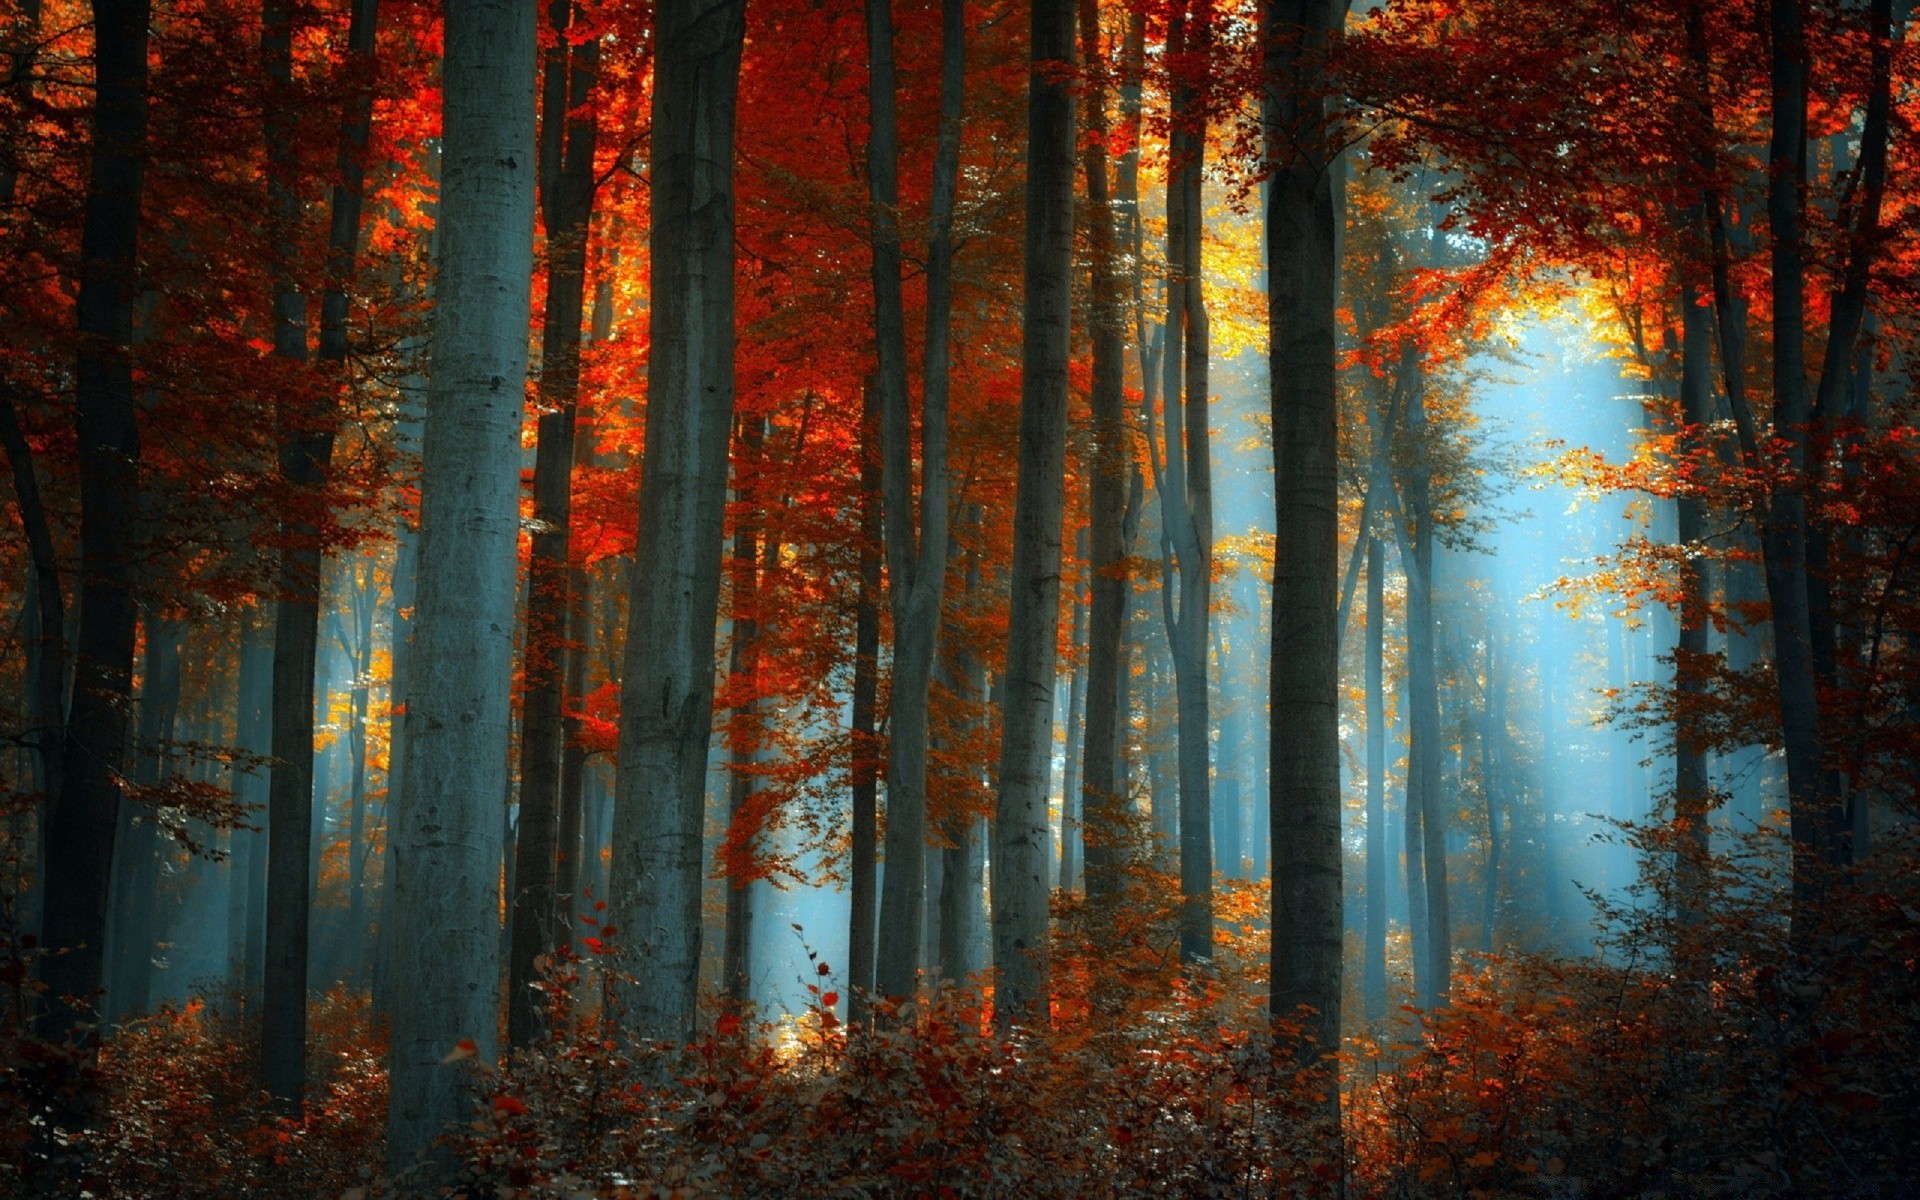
point(1302, 270)
point(916, 559)
point(963, 915)
point(1185, 485)
point(743, 722)
point(80, 825)
point(246, 915)
point(1020, 829)
point(136, 885)
point(358, 698)
point(1490, 725)
point(1374, 986)
point(667, 687)
point(866, 696)
point(1692, 790)
point(406, 572)
point(1076, 708)
point(446, 836)
point(1433, 967)
point(567, 136)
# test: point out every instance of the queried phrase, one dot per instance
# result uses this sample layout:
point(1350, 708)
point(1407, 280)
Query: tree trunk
point(916, 559)
point(866, 695)
point(1185, 486)
point(80, 827)
point(446, 836)
point(136, 886)
point(1076, 710)
point(667, 686)
point(1692, 790)
point(567, 137)
point(356, 940)
point(1302, 270)
point(246, 907)
point(1020, 829)
point(1374, 986)
point(1490, 721)
point(743, 722)
point(1433, 963)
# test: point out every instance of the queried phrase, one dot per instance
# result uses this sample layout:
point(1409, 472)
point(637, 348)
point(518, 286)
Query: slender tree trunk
point(743, 722)
point(1302, 269)
point(1374, 986)
point(306, 448)
point(567, 136)
point(80, 828)
point(247, 918)
point(1489, 794)
point(136, 885)
point(446, 836)
point(356, 942)
point(1817, 822)
point(1185, 487)
point(1692, 790)
point(1076, 710)
point(1433, 965)
point(1020, 830)
point(48, 678)
point(667, 686)
point(866, 695)
point(916, 559)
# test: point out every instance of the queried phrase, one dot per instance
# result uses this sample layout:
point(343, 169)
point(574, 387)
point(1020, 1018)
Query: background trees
point(1499, 305)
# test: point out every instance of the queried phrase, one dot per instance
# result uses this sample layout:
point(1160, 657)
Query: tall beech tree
point(446, 836)
point(1022, 837)
point(1183, 482)
point(305, 459)
point(1103, 797)
point(666, 692)
point(80, 821)
point(568, 133)
point(1302, 266)
point(916, 557)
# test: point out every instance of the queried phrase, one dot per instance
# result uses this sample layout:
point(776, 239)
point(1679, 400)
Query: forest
point(959, 598)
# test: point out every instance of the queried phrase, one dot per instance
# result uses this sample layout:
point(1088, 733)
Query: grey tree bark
point(743, 723)
point(666, 697)
point(1070, 798)
point(1374, 971)
point(306, 454)
point(1184, 485)
point(1692, 790)
point(567, 135)
point(1021, 835)
point(1302, 270)
point(446, 836)
point(80, 821)
point(916, 559)
point(863, 852)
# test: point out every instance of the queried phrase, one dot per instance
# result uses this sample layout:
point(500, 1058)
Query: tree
point(568, 132)
point(1102, 796)
point(916, 559)
point(1022, 837)
point(666, 692)
point(81, 820)
point(447, 835)
point(1184, 483)
point(306, 454)
point(1302, 270)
